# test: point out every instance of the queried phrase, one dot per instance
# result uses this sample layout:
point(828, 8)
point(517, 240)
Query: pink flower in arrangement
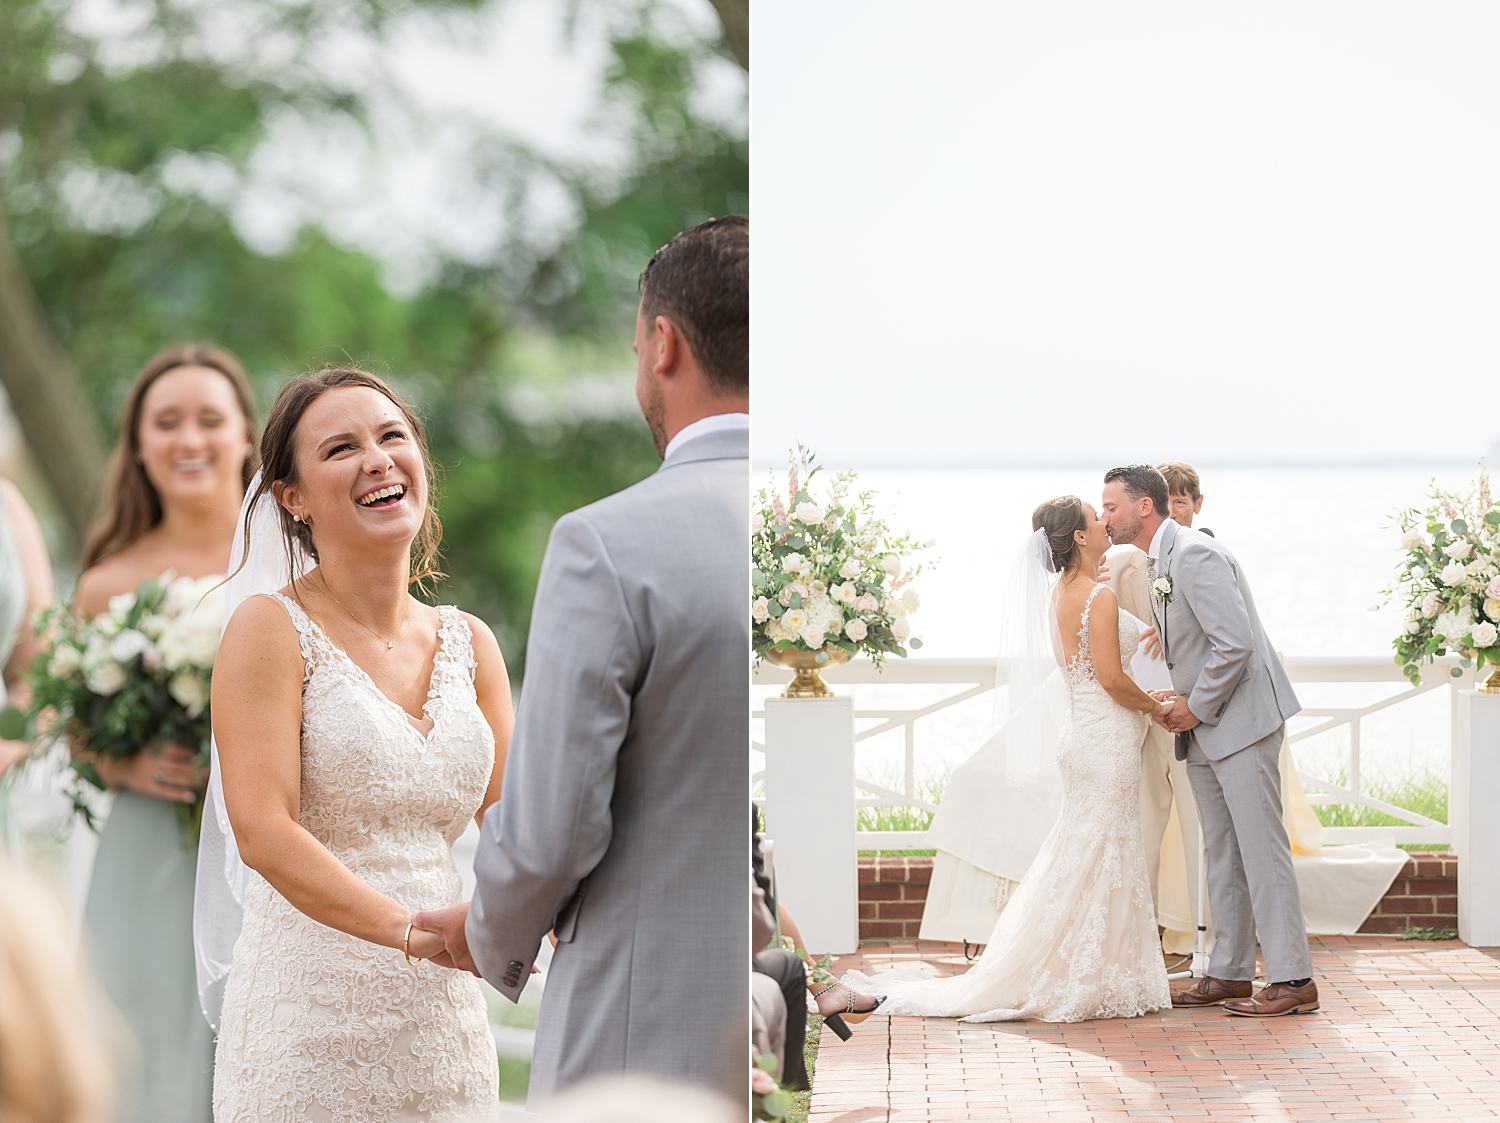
point(1493, 588)
point(762, 1083)
point(866, 602)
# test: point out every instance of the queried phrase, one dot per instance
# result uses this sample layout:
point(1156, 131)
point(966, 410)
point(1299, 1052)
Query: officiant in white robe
point(986, 831)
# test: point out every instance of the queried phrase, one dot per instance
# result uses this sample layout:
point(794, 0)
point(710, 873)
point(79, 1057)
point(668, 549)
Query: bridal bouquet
point(1449, 581)
point(827, 574)
point(134, 677)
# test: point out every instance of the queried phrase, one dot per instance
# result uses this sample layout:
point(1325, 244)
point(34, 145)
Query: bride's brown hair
point(278, 456)
point(1061, 518)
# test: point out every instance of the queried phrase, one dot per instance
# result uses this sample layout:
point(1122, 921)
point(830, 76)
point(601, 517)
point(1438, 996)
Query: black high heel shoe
point(840, 1021)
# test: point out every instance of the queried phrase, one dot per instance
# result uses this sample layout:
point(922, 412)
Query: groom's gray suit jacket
point(1217, 651)
point(621, 820)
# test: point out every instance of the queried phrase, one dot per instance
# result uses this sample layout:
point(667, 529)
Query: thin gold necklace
point(389, 643)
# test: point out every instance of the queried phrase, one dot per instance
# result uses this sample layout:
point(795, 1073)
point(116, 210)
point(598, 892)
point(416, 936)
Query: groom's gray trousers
point(1251, 884)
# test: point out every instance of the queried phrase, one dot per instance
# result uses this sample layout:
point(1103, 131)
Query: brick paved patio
point(1408, 1030)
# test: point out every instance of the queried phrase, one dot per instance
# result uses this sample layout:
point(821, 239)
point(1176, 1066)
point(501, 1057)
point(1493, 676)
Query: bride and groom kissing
point(358, 730)
point(1078, 938)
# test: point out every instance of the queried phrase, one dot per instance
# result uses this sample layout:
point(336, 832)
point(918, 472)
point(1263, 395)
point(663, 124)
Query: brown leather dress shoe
point(1209, 991)
point(1277, 999)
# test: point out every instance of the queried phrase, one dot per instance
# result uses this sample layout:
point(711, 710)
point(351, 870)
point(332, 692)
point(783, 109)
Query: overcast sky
point(1041, 233)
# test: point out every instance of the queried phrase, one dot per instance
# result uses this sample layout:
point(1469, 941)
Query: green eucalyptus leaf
point(12, 724)
point(1459, 526)
point(796, 601)
point(916, 644)
point(1455, 672)
point(821, 658)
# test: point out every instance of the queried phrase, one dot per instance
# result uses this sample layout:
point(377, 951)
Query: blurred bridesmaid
point(185, 455)
point(25, 589)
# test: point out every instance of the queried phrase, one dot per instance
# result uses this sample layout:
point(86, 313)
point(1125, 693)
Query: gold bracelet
point(406, 946)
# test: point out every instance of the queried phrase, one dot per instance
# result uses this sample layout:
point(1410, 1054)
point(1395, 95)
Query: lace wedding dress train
point(321, 1026)
point(1078, 938)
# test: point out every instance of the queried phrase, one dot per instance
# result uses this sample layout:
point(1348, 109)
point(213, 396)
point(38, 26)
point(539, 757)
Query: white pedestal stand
point(1474, 815)
point(810, 816)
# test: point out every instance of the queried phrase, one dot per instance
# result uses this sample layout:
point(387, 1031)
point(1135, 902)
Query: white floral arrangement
point(1449, 582)
point(828, 575)
point(134, 677)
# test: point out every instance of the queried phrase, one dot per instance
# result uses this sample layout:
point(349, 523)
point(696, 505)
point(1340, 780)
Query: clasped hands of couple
point(1174, 716)
point(437, 935)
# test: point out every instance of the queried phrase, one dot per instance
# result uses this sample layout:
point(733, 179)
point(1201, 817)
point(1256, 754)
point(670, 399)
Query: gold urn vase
point(1490, 684)
point(807, 683)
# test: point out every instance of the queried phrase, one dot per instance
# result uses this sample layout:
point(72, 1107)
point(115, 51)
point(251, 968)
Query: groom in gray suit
point(621, 824)
point(1232, 700)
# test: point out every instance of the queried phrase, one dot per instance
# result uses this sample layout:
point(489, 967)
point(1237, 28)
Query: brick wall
point(892, 892)
point(1424, 895)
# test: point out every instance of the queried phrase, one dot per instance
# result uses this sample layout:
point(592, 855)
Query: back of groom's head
point(700, 280)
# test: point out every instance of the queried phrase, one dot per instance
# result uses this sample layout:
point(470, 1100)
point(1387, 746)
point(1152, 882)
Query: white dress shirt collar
point(713, 423)
point(1154, 553)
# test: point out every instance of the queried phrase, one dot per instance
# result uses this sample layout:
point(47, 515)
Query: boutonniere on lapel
point(1162, 587)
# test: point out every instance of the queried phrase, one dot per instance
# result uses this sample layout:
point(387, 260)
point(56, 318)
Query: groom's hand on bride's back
point(449, 924)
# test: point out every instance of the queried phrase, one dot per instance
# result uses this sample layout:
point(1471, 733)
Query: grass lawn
point(514, 1076)
point(802, 1100)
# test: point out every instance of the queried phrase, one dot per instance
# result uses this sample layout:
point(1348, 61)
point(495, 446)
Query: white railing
point(973, 677)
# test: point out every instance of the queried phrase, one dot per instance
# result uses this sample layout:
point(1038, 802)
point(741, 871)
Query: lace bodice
point(318, 1025)
point(1080, 669)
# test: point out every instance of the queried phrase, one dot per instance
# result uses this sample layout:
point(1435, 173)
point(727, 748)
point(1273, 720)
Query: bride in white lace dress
point(1078, 938)
point(357, 731)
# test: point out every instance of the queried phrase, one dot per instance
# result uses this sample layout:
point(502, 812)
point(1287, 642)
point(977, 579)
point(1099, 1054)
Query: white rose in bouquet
point(107, 677)
point(760, 611)
point(1492, 608)
point(1484, 634)
point(856, 630)
point(810, 514)
point(757, 522)
point(1459, 550)
point(891, 563)
point(1493, 588)
point(1413, 627)
point(190, 691)
point(813, 637)
point(127, 645)
point(866, 602)
point(844, 594)
point(1414, 539)
point(851, 569)
point(910, 599)
point(1430, 605)
point(793, 563)
point(66, 661)
point(1454, 574)
point(901, 630)
point(794, 620)
point(121, 605)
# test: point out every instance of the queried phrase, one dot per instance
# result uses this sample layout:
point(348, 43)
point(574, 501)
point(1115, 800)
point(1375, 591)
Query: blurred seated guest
point(25, 589)
point(177, 477)
point(55, 1031)
point(839, 1004)
point(778, 991)
point(1184, 497)
point(639, 1099)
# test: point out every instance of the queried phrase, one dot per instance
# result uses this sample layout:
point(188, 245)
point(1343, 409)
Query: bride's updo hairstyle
point(278, 457)
point(1061, 518)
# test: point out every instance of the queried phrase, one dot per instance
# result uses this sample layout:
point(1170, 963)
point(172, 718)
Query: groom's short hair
point(700, 280)
point(1142, 480)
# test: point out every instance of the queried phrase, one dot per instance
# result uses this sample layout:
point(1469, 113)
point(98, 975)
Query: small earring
point(296, 518)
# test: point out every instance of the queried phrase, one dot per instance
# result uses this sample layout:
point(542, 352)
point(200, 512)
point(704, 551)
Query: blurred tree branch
point(45, 395)
point(734, 17)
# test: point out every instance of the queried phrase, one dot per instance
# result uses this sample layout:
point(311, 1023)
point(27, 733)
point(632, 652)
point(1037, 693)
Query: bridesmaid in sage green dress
point(25, 588)
point(185, 455)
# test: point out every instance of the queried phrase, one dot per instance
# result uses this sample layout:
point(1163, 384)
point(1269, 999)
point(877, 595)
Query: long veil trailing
point(1001, 802)
point(219, 892)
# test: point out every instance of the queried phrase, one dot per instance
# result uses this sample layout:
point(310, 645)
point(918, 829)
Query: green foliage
point(126, 259)
point(1426, 794)
point(802, 1101)
point(1428, 934)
